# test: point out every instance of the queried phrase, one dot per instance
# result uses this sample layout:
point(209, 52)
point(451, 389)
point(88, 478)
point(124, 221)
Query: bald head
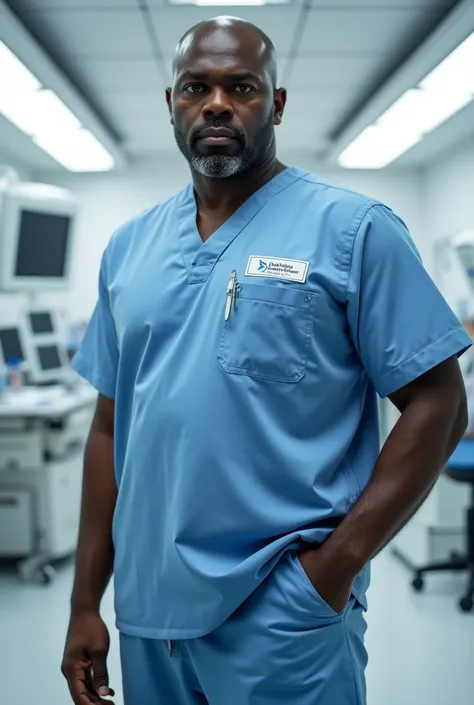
point(224, 103)
point(227, 34)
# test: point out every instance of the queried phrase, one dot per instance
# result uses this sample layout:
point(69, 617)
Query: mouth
point(217, 140)
point(217, 136)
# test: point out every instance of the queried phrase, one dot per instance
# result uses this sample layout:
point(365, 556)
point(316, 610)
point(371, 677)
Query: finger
point(95, 698)
point(80, 693)
point(95, 692)
point(74, 673)
point(100, 674)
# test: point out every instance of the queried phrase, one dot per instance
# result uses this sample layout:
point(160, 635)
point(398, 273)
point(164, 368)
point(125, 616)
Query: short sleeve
point(400, 323)
point(97, 357)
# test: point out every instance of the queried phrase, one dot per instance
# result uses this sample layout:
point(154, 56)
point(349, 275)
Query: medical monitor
point(36, 237)
point(48, 362)
point(41, 322)
point(42, 245)
point(12, 347)
point(49, 357)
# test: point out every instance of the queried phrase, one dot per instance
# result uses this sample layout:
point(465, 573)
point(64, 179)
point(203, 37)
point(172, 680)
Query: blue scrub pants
point(283, 645)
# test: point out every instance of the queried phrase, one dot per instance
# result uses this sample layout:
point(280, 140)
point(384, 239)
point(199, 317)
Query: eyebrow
point(234, 77)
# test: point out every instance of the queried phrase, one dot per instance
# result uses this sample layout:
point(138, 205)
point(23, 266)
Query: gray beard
point(218, 166)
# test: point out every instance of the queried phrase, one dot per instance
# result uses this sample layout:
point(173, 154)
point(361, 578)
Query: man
point(242, 331)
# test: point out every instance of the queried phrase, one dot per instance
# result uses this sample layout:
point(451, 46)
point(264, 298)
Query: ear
point(279, 102)
point(168, 101)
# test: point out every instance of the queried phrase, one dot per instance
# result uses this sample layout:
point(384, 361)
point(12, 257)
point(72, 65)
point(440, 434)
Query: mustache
point(197, 131)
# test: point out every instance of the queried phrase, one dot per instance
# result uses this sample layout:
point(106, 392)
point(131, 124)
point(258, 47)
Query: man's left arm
point(408, 340)
point(432, 422)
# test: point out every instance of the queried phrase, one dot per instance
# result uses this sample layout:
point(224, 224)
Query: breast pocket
point(268, 333)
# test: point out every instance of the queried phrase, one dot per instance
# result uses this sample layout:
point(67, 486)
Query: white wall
point(448, 193)
point(448, 207)
point(107, 200)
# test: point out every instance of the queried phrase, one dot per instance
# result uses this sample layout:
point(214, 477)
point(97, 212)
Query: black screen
point(42, 245)
point(41, 323)
point(11, 344)
point(49, 357)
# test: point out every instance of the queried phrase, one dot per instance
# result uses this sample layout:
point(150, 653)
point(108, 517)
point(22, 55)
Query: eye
point(244, 88)
point(194, 88)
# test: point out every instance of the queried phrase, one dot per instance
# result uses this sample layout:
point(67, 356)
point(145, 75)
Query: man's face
point(223, 105)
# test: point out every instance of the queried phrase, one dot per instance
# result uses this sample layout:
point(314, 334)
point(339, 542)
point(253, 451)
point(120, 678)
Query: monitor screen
point(49, 357)
point(41, 323)
point(42, 245)
point(11, 345)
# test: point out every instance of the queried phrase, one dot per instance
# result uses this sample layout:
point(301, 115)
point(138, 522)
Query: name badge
point(294, 270)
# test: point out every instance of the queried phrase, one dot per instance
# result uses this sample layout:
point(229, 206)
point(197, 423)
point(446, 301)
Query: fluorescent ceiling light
point(77, 151)
point(42, 115)
point(456, 73)
point(376, 147)
point(422, 111)
point(53, 113)
point(38, 112)
point(228, 3)
point(443, 93)
point(14, 76)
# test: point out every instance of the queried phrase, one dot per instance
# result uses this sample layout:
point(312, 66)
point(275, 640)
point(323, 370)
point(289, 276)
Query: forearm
point(95, 553)
point(421, 442)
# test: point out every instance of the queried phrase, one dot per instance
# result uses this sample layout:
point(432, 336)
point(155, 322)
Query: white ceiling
point(332, 56)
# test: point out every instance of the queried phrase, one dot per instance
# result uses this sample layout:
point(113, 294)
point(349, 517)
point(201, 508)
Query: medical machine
point(36, 236)
point(43, 431)
point(36, 341)
point(47, 356)
point(44, 422)
point(454, 271)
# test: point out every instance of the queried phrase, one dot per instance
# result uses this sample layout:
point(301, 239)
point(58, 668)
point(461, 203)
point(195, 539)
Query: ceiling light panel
point(43, 116)
point(441, 94)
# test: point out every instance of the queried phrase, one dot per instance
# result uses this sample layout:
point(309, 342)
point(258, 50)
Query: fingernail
point(103, 690)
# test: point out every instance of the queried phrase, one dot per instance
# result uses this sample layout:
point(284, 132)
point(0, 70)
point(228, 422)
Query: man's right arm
point(94, 557)
point(85, 657)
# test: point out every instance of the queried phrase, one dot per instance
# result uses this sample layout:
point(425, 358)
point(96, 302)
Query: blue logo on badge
point(263, 266)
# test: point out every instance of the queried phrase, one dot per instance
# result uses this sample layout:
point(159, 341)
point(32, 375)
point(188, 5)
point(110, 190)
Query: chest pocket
point(268, 333)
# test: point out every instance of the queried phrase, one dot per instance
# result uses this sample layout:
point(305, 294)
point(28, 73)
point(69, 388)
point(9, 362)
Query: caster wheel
point(466, 604)
point(46, 575)
point(418, 584)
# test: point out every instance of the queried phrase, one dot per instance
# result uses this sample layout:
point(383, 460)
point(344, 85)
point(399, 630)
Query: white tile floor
point(421, 648)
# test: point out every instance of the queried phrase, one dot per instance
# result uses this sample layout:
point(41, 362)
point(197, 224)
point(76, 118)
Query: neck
point(226, 195)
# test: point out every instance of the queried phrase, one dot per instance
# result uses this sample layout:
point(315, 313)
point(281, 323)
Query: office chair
point(460, 468)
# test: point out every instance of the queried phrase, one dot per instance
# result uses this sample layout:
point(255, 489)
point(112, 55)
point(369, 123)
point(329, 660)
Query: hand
point(85, 659)
point(327, 578)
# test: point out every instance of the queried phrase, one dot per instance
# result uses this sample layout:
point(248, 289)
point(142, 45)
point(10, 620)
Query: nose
point(218, 105)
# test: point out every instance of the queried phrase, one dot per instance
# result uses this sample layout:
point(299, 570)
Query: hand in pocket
point(327, 578)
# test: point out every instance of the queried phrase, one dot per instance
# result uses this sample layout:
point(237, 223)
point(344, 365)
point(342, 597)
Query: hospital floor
point(421, 648)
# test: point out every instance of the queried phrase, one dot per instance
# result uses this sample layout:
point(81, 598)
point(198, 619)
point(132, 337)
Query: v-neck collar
point(200, 257)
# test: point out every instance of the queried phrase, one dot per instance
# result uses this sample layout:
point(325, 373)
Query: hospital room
point(236, 352)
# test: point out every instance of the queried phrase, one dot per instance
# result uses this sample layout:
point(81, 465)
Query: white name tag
point(294, 270)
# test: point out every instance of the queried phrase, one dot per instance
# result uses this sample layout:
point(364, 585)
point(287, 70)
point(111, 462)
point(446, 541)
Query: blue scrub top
point(236, 439)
